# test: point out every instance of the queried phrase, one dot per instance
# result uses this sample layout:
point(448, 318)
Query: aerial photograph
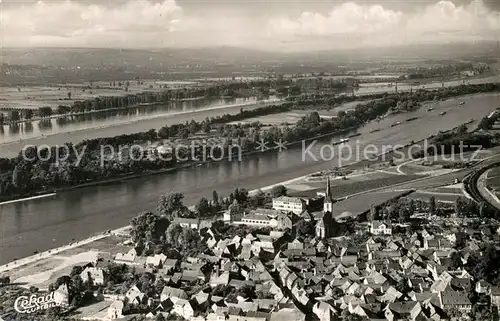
point(249, 160)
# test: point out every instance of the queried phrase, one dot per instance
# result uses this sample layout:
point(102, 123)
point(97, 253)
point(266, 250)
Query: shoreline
point(191, 163)
point(124, 177)
point(256, 103)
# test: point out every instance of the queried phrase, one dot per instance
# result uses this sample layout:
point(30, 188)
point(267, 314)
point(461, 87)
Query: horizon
point(261, 50)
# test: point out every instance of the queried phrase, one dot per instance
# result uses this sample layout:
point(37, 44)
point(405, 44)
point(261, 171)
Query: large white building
point(380, 228)
point(289, 204)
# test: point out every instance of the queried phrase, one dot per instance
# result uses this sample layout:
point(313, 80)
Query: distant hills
point(122, 58)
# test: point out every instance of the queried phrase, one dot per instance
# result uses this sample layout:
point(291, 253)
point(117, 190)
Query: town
point(268, 256)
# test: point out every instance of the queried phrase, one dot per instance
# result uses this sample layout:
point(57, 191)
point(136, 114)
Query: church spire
point(328, 193)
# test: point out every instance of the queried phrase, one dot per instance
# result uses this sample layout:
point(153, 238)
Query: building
point(287, 314)
point(455, 300)
point(61, 295)
point(328, 203)
point(233, 213)
point(380, 228)
point(193, 223)
point(95, 275)
point(325, 225)
point(267, 218)
point(326, 222)
point(289, 204)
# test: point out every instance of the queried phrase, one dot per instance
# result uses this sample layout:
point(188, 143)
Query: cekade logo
point(34, 302)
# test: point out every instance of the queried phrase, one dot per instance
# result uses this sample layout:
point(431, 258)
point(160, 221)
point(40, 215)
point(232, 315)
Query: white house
point(96, 275)
point(324, 311)
point(127, 258)
point(289, 204)
point(380, 228)
point(184, 309)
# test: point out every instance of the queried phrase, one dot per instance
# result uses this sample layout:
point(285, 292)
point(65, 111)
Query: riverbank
point(264, 149)
point(124, 177)
point(90, 112)
point(128, 122)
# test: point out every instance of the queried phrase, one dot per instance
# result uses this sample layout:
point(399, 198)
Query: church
point(325, 224)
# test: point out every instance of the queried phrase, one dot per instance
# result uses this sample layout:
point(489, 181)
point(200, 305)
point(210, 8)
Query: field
point(292, 117)
point(53, 96)
point(46, 271)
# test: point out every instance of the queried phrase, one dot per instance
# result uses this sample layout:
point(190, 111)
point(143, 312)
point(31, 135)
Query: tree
point(215, 199)
point(28, 113)
point(76, 270)
point(14, 115)
point(305, 229)
point(160, 317)
point(456, 260)
point(432, 205)
point(403, 286)
point(373, 214)
point(462, 129)
point(69, 95)
point(203, 207)
point(404, 215)
point(411, 207)
point(278, 190)
point(171, 204)
point(148, 227)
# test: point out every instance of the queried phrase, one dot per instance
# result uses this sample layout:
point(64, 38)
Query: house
point(94, 275)
point(260, 217)
point(495, 296)
point(324, 311)
point(402, 311)
point(287, 314)
point(193, 223)
point(115, 310)
point(483, 287)
point(455, 300)
point(157, 260)
point(183, 308)
point(233, 213)
point(135, 296)
point(61, 295)
point(127, 258)
point(380, 228)
point(173, 294)
point(289, 204)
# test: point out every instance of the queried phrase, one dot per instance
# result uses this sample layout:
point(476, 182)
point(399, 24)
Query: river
point(56, 132)
point(45, 223)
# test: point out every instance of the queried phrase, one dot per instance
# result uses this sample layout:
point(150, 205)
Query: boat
point(375, 130)
point(396, 124)
point(355, 135)
point(411, 118)
point(430, 109)
point(338, 142)
point(462, 103)
point(442, 113)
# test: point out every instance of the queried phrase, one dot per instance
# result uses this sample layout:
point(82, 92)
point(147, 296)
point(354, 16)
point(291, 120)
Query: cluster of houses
point(281, 277)
point(293, 277)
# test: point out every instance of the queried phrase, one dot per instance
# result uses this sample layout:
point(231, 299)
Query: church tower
point(328, 203)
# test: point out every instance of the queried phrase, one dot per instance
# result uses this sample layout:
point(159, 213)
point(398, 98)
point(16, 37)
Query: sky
point(277, 25)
